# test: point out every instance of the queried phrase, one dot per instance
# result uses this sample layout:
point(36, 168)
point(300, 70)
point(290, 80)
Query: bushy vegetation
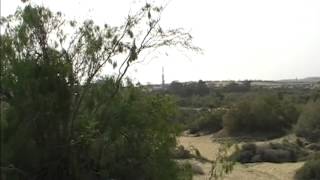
point(135, 136)
point(271, 152)
point(308, 125)
point(186, 90)
point(185, 117)
point(61, 120)
point(310, 170)
point(261, 114)
point(208, 122)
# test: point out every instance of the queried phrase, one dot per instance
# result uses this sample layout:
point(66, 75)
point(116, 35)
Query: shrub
point(208, 122)
point(186, 117)
point(277, 153)
point(181, 153)
point(310, 170)
point(308, 125)
point(185, 171)
point(263, 114)
point(137, 137)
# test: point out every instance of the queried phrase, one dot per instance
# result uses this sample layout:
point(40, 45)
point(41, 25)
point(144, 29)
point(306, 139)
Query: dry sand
point(254, 171)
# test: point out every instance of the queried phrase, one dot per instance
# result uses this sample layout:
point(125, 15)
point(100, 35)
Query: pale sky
point(241, 39)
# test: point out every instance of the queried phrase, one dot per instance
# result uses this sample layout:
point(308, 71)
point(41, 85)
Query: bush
point(186, 117)
point(138, 135)
point(185, 171)
point(308, 125)
point(277, 156)
point(263, 114)
point(310, 170)
point(208, 122)
point(276, 153)
point(181, 153)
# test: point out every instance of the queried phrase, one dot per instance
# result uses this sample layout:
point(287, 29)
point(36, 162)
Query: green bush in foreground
point(59, 121)
point(310, 170)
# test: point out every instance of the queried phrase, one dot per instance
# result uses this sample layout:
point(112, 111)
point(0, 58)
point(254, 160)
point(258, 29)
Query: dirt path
point(255, 171)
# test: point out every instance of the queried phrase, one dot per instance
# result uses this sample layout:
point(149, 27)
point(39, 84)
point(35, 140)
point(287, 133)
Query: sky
point(241, 39)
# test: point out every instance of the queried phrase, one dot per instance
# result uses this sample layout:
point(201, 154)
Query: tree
point(176, 88)
point(134, 135)
point(47, 76)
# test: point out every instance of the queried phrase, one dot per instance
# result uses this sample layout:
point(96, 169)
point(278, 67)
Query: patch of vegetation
point(185, 171)
point(272, 152)
point(183, 153)
point(308, 125)
point(222, 164)
point(261, 114)
point(209, 122)
point(310, 170)
point(185, 117)
point(61, 120)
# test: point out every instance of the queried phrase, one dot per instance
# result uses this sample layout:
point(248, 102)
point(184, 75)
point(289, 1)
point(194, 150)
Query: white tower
point(163, 78)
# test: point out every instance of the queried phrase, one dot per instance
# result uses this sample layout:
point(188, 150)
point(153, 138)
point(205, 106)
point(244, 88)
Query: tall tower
point(163, 78)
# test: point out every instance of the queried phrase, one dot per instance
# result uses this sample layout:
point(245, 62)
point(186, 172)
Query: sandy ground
point(254, 171)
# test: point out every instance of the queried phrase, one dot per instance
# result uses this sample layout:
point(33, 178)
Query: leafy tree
point(134, 135)
point(176, 88)
point(52, 128)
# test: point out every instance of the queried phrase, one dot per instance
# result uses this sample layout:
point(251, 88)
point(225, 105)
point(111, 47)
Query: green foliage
point(185, 117)
point(133, 136)
point(209, 121)
point(209, 101)
point(262, 114)
point(310, 170)
point(222, 165)
point(185, 171)
point(236, 87)
point(60, 121)
point(308, 124)
point(186, 90)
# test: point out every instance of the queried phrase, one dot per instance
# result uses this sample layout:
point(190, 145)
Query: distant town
point(305, 83)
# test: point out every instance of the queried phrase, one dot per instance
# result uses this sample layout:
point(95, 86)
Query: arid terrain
point(255, 171)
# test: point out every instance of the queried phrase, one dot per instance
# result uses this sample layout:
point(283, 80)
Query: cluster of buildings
point(306, 83)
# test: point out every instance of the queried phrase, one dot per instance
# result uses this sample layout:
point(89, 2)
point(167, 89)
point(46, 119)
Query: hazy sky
point(242, 39)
